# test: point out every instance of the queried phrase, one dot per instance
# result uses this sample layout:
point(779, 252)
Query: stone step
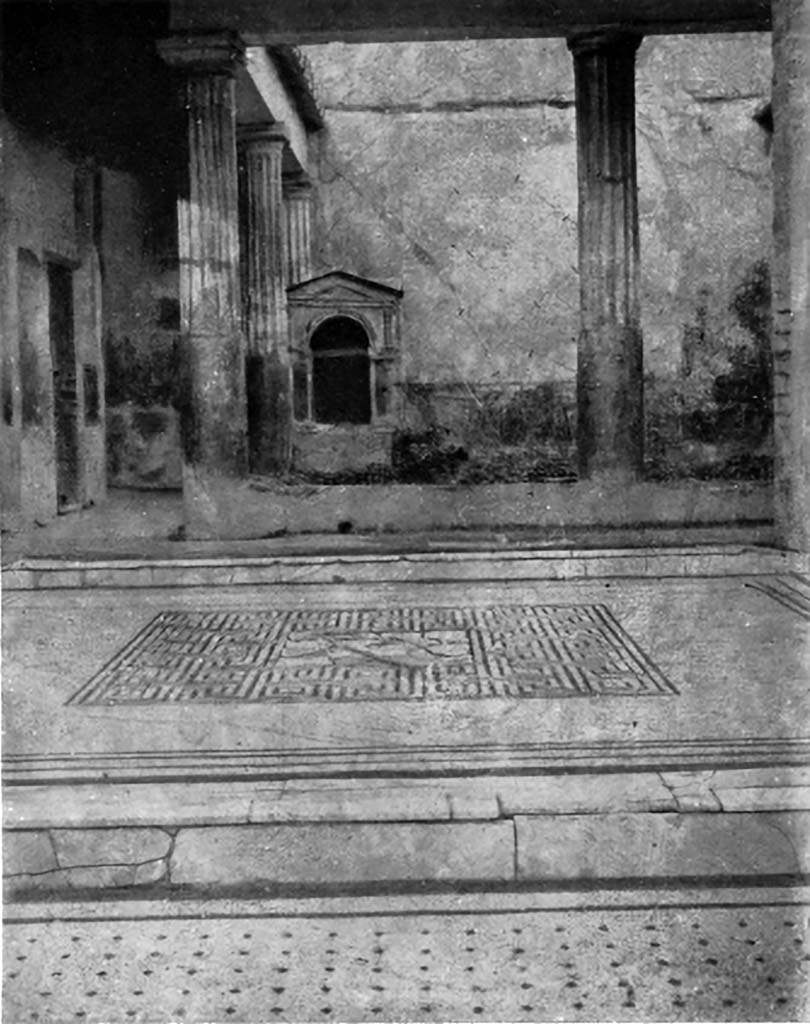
point(118, 541)
point(324, 800)
point(412, 567)
point(420, 902)
point(413, 761)
point(310, 834)
point(526, 850)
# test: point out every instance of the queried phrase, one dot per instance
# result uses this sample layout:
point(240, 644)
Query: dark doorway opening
point(341, 387)
point(65, 397)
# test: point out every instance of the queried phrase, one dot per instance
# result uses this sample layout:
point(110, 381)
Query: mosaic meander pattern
point(377, 654)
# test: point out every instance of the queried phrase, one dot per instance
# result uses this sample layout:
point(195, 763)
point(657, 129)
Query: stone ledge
point(218, 508)
point(99, 877)
point(541, 849)
point(28, 852)
point(580, 847)
point(417, 899)
point(343, 853)
point(74, 811)
point(50, 860)
point(90, 847)
point(31, 772)
point(541, 565)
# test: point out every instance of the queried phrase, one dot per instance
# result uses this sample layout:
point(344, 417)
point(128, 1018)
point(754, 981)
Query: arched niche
point(341, 377)
point(345, 359)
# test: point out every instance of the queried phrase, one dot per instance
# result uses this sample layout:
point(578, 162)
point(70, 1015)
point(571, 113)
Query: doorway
point(65, 397)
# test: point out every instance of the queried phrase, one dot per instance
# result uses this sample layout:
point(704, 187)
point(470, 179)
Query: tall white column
point(298, 205)
point(610, 418)
point(264, 264)
point(213, 406)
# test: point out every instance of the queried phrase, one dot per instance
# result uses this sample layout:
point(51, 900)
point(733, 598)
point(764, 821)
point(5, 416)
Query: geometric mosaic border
point(350, 654)
point(792, 592)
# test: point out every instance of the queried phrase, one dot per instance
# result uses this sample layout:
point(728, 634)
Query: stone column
point(609, 359)
point(264, 296)
point(791, 271)
point(298, 203)
point(213, 411)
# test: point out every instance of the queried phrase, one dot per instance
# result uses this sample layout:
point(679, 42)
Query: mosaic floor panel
point(377, 654)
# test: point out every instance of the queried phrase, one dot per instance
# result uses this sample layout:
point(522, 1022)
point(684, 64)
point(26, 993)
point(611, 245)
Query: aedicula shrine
point(244, 255)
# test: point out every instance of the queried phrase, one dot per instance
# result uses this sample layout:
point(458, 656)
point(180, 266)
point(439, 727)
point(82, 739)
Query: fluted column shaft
point(610, 416)
point(298, 206)
point(264, 264)
point(264, 223)
point(212, 400)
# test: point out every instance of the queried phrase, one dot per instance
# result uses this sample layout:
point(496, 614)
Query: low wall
point(143, 447)
point(260, 507)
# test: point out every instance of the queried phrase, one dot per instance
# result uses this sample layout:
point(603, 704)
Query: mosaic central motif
point(382, 654)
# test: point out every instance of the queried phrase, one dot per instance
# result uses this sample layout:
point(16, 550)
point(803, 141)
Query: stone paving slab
point(544, 849)
point(343, 854)
point(85, 847)
point(478, 798)
point(563, 563)
point(662, 845)
point(773, 788)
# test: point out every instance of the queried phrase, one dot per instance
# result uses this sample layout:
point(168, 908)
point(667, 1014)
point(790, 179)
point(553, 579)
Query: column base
point(612, 480)
point(269, 412)
point(211, 402)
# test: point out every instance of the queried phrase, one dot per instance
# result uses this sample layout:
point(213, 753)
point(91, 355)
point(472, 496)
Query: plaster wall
point(9, 376)
point(43, 225)
point(141, 324)
point(791, 38)
point(449, 170)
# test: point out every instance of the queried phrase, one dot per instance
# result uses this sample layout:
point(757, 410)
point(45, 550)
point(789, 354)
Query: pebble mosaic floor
point(675, 963)
point(410, 653)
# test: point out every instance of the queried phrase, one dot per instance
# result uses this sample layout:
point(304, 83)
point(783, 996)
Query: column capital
point(261, 133)
point(604, 41)
point(297, 184)
point(212, 53)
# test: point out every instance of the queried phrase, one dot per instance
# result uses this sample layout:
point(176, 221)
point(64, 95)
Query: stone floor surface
point(715, 658)
point(648, 724)
point(725, 955)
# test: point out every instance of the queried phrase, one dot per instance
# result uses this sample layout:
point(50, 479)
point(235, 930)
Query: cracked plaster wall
point(449, 169)
point(141, 325)
point(124, 295)
point(45, 193)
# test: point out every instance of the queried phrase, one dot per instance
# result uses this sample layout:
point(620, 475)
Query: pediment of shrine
point(339, 288)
